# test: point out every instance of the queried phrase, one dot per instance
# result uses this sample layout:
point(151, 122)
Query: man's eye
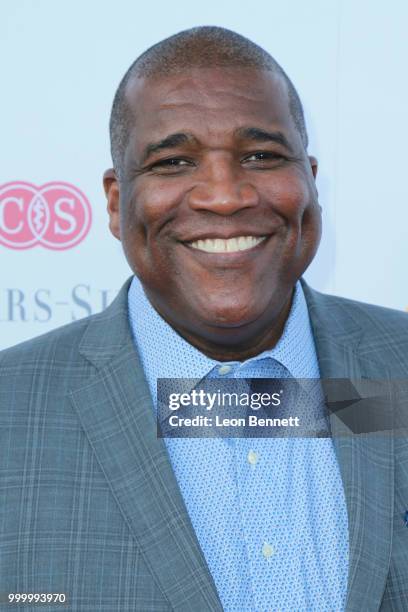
point(173, 163)
point(264, 156)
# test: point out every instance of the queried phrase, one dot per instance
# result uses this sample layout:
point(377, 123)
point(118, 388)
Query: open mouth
point(229, 245)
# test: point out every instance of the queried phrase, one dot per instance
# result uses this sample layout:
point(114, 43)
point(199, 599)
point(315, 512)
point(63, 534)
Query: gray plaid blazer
point(89, 504)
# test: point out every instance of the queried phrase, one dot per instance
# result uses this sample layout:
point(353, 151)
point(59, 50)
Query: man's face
point(217, 209)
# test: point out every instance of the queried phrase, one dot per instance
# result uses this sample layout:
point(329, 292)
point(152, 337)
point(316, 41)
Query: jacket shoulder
point(370, 317)
point(62, 341)
point(103, 331)
point(377, 333)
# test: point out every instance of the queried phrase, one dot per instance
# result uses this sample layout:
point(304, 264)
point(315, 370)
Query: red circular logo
point(57, 215)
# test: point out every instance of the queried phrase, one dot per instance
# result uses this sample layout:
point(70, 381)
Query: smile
point(230, 245)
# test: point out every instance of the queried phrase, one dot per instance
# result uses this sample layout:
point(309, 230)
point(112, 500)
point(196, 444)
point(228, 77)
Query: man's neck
point(255, 344)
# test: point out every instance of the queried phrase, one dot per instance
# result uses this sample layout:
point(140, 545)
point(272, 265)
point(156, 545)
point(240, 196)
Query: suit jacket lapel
point(116, 412)
point(365, 460)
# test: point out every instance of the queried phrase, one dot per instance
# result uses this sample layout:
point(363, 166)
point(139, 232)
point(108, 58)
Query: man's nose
point(222, 188)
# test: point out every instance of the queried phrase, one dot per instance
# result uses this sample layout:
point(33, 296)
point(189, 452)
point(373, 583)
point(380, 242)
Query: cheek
point(153, 203)
point(145, 237)
point(290, 193)
point(294, 199)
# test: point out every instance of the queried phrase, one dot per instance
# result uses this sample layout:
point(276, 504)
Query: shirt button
point(252, 457)
point(267, 550)
point(224, 369)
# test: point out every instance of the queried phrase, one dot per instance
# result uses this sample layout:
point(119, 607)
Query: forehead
point(211, 103)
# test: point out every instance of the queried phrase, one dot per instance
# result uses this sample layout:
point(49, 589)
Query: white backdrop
point(61, 63)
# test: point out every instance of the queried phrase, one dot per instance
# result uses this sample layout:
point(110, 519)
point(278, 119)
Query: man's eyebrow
point(170, 142)
point(261, 135)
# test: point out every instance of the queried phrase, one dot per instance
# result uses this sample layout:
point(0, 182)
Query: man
point(214, 200)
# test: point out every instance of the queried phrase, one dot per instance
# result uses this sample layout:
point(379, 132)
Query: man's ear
point(313, 165)
point(111, 187)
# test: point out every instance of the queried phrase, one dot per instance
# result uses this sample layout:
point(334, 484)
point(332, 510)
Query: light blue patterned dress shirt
point(269, 513)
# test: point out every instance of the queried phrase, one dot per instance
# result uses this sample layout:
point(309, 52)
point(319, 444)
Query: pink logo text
point(56, 215)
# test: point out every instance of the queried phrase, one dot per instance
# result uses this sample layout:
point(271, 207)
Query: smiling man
point(213, 197)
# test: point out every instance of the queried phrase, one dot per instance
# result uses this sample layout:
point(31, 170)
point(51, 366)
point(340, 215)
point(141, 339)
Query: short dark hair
point(203, 46)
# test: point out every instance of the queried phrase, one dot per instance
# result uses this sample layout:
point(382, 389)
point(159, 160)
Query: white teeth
point(232, 245)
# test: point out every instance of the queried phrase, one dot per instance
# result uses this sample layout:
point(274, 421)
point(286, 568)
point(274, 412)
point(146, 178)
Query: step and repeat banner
point(61, 64)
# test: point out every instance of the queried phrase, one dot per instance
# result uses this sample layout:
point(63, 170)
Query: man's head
point(209, 147)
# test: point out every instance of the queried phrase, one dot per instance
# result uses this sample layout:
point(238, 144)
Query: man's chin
point(228, 317)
